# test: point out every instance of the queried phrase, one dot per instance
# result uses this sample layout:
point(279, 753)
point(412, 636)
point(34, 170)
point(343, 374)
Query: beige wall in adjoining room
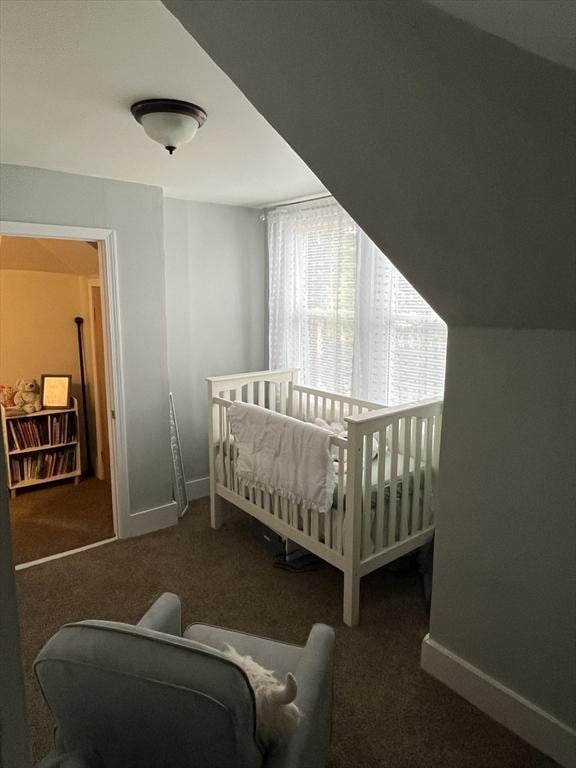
point(38, 333)
point(37, 328)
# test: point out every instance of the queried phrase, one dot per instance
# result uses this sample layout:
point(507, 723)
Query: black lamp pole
point(79, 323)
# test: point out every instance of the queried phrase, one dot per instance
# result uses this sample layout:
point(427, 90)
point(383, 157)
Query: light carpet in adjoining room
point(58, 517)
point(388, 713)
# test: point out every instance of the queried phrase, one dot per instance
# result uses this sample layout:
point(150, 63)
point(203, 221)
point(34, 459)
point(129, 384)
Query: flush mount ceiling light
point(170, 122)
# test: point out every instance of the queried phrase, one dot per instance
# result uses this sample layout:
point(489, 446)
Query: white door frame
point(91, 283)
point(108, 263)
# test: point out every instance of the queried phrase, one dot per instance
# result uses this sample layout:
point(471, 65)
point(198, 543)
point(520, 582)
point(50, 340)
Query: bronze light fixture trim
point(170, 122)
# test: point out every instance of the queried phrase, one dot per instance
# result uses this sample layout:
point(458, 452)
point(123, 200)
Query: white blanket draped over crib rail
point(279, 454)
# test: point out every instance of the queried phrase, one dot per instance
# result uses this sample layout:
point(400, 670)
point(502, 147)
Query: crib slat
point(273, 395)
point(261, 394)
point(306, 519)
point(250, 392)
point(405, 506)
point(324, 408)
point(415, 521)
point(392, 513)
point(293, 518)
point(235, 479)
point(332, 409)
point(380, 490)
point(300, 407)
point(427, 473)
point(328, 527)
point(282, 404)
point(228, 482)
point(221, 428)
point(340, 511)
point(367, 497)
point(315, 524)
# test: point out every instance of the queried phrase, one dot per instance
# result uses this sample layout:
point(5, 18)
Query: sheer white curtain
point(312, 257)
point(343, 314)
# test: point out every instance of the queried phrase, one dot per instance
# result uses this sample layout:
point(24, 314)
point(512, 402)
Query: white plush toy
point(340, 430)
point(27, 396)
point(277, 717)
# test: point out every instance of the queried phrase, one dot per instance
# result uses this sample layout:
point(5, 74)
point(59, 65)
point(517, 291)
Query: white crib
point(383, 506)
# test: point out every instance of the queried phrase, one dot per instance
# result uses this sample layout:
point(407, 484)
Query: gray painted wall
point(505, 556)
point(454, 151)
point(451, 148)
point(216, 294)
point(134, 211)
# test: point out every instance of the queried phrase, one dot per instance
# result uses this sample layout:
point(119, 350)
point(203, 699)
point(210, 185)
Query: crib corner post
point(216, 514)
point(353, 524)
point(351, 610)
point(216, 509)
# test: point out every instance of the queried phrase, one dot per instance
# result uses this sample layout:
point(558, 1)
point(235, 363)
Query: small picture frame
point(55, 390)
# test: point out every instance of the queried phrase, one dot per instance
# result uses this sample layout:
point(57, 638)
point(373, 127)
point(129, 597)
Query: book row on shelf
point(42, 465)
point(44, 430)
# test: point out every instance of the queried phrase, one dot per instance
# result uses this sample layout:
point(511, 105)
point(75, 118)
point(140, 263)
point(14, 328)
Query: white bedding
point(282, 455)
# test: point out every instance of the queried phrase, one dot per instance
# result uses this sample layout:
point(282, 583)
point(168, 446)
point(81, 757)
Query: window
point(342, 313)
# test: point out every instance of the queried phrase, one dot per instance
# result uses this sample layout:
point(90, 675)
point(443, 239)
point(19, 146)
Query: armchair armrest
point(309, 746)
point(70, 760)
point(164, 615)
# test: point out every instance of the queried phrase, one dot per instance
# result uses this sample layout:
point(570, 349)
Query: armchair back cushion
point(134, 696)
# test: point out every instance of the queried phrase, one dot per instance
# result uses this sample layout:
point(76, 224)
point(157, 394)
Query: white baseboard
point(23, 566)
point(197, 489)
point(151, 519)
point(520, 715)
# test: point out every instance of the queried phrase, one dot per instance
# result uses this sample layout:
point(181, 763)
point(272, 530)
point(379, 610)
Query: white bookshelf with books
point(41, 447)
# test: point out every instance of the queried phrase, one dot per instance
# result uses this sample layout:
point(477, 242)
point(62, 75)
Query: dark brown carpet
point(57, 517)
point(387, 713)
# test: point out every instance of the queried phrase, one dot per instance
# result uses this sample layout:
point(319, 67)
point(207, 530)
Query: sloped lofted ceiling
point(544, 27)
point(71, 257)
point(453, 149)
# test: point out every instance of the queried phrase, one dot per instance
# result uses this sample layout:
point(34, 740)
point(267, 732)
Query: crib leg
point(216, 511)
point(351, 615)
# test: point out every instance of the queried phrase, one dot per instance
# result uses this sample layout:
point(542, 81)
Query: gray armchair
point(150, 696)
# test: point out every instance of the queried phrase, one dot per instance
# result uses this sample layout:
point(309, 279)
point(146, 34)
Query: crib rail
point(269, 389)
point(396, 489)
point(309, 403)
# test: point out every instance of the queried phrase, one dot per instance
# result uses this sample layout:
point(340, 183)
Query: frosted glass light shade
point(170, 122)
point(169, 129)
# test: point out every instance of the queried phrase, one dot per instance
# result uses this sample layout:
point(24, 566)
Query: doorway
point(60, 462)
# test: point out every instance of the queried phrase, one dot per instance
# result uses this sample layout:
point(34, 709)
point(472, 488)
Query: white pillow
point(277, 717)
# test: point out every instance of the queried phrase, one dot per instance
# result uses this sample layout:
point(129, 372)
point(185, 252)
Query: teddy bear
point(7, 396)
point(27, 396)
